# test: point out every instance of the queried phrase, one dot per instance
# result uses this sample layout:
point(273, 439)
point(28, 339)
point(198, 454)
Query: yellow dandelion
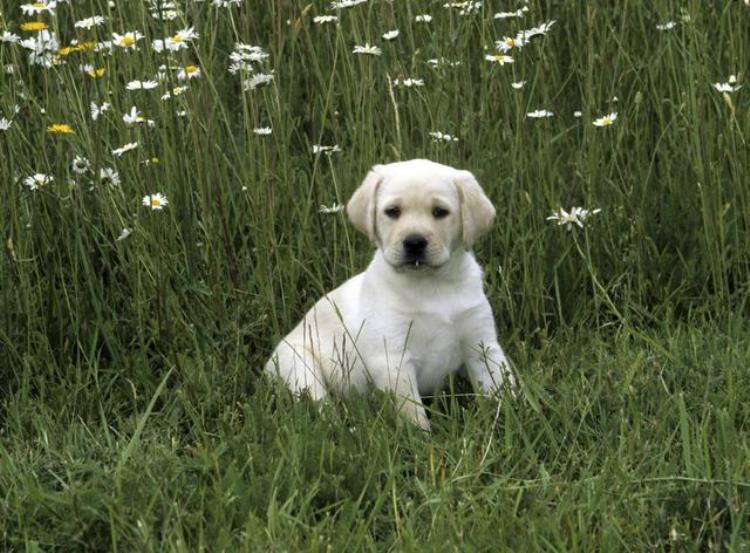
point(34, 26)
point(60, 128)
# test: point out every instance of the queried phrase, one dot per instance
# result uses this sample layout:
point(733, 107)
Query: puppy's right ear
point(362, 205)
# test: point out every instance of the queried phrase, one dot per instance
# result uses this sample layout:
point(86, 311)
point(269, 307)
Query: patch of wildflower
point(510, 15)
point(499, 59)
point(96, 110)
point(464, 8)
point(89, 22)
point(60, 128)
point(668, 26)
point(124, 149)
point(729, 86)
point(124, 233)
point(156, 202)
point(438, 136)
point(334, 208)
point(322, 19)
point(128, 41)
point(179, 41)
point(38, 181)
point(342, 4)
point(328, 150)
point(80, 165)
point(407, 83)
point(367, 49)
point(606, 120)
point(576, 216)
point(108, 176)
point(540, 114)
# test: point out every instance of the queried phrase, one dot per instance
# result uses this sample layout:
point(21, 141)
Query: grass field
point(133, 412)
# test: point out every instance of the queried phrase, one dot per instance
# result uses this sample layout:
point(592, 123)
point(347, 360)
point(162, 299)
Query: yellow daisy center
point(155, 202)
point(60, 128)
point(177, 38)
point(190, 69)
point(127, 40)
point(32, 26)
point(38, 5)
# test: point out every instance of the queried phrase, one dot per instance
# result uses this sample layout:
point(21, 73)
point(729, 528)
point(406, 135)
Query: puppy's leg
point(485, 361)
point(488, 367)
point(402, 381)
point(297, 366)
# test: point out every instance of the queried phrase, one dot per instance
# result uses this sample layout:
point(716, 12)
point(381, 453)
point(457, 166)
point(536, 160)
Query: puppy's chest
point(434, 343)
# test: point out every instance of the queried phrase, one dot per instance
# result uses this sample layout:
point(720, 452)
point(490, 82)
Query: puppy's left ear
point(477, 212)
point(361, 207)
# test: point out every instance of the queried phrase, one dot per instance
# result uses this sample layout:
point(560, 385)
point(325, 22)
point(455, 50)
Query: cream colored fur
point(408, 320)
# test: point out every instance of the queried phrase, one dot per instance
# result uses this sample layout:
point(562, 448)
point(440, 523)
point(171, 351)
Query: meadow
point(172, 175)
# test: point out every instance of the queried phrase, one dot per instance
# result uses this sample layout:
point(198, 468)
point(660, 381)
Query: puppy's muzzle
point(415, 246)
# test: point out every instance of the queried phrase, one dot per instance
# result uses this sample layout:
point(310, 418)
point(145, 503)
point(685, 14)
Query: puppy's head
point(419, 212)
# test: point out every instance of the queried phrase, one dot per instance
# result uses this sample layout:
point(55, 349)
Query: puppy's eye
point(393, 212)
point(440, 212)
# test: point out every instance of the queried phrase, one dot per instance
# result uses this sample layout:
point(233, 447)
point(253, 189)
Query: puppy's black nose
point(415, 244)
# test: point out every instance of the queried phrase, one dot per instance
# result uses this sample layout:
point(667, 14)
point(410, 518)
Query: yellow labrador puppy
point(418, 312)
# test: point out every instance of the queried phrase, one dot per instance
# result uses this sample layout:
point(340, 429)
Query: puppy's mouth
point(415, 265)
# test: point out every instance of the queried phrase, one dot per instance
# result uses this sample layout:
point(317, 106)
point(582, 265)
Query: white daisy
point(96, 111)
point(319, 149)
point(37, 181)
point(124, 233)
point(134, 117)
point(263, 131)
point(320, 19)
point(89, 22)
point(107, 175)
point(126, 148)
point(438, 136)
point(257, 80)
point(335, 208)
point(5, 123)
point(576, 216)
point(518, 85)
point(39, 7)
point(141, 85)
point(499, 59)
point(509, 15)
point(606, 120)
point(726, 87)
point(408, 83)
point(668, 26)
point(390, 35)
point(155, 201)
point(127, 41)
point(540, 114)
point(424, 18)
point(80, 165)
point(341, 4)
point(366, 49)
point(10, 38)
point(509, 43)
point(189, 72)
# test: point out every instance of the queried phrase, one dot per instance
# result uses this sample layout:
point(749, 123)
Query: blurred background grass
point(630, 335)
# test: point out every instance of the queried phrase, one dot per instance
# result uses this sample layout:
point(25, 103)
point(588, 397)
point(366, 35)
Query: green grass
point(133, 413)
